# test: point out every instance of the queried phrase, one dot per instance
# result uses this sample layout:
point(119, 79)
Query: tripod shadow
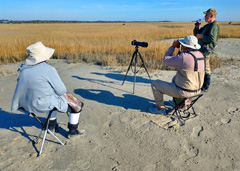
point(94, 80)
point(120, 77)
point(128, 101)
point(100, 82)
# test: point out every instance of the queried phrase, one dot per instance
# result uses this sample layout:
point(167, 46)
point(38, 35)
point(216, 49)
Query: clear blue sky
point(121, 10)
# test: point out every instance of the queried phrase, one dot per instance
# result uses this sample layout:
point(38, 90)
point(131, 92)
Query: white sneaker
point(155, 110)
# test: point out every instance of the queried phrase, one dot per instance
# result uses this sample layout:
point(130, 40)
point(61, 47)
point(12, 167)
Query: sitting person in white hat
point(40, 89)
point(189, 77)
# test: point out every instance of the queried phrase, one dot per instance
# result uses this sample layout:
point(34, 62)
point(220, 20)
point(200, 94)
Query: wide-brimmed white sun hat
point(37, 53)
point(190, 41)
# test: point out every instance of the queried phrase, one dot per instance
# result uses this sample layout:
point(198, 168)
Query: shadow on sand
point(11, 121)
point(16, 123)
point(128, 101)
point(120, 77)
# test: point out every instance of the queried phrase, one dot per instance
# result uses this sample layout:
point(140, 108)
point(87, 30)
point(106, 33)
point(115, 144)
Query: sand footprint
point(108, 124)
point(233, 110)
point(225, 120)
point(192, 151)
point(196, 131)
point(116, 164)
point(150, 167)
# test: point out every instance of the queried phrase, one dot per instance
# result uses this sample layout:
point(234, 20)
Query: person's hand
point(176, 43)
point(198, 23)
point(199, 36)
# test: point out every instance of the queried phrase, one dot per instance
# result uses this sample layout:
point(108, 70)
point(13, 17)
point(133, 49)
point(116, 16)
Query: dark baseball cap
point(211, 10)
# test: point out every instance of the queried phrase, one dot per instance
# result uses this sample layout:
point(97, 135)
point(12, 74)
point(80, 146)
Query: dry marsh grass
point(101, 43)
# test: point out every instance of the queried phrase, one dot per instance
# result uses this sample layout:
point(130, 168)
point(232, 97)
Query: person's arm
point(175, 61)
point(56, 82)
point(196, 30)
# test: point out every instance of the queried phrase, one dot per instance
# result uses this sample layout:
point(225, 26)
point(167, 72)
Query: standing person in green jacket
point(207, 38)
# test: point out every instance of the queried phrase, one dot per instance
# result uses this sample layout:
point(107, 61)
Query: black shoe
point(204, 90)
point(53, 126)
point(73, 133)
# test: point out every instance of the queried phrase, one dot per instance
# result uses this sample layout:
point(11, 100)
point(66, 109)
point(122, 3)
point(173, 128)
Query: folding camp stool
point(45, 129)
point(183, 106)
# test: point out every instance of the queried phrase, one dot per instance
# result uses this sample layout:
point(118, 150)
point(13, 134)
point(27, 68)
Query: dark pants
point(206, 83)
point(70, 110)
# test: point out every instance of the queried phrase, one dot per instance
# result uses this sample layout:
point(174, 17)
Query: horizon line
point(92, 21)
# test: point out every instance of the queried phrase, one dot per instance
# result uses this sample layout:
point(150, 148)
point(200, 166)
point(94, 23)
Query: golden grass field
point(100, 43)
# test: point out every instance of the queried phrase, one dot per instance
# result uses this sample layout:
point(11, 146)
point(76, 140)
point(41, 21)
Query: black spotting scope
point(143, 44)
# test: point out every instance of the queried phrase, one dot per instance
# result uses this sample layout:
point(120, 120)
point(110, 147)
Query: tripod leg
point(144, 66)
point(135, 71)
point(129, 67)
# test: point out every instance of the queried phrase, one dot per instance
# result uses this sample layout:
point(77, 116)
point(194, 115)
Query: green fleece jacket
point(210, 37)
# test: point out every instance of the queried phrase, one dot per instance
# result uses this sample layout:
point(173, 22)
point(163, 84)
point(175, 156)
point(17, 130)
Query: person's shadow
point(128, 101)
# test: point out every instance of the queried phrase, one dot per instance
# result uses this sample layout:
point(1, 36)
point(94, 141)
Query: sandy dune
point(120, 133)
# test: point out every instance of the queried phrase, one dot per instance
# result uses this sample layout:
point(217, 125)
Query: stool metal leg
point(194, 111)
point(178, 112)
point(179, 117)
point(45, 133)
point(45, 129)
point(43, 140)
point(55, 137)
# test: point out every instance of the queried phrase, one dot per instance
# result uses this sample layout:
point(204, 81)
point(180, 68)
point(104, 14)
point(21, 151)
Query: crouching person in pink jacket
point(189, 77)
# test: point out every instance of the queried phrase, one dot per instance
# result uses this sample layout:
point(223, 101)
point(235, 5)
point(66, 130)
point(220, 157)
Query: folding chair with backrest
point(182, 106)
point(45, 129)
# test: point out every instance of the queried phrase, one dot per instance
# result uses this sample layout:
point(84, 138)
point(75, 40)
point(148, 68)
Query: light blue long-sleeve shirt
point(39, 89)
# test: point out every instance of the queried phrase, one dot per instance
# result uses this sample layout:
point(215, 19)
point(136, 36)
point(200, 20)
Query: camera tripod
point(135, 55)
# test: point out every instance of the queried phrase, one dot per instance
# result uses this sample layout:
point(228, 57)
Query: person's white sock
point(74, 118)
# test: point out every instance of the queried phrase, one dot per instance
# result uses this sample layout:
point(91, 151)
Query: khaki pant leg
point(208, 68)
point(160, 87)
